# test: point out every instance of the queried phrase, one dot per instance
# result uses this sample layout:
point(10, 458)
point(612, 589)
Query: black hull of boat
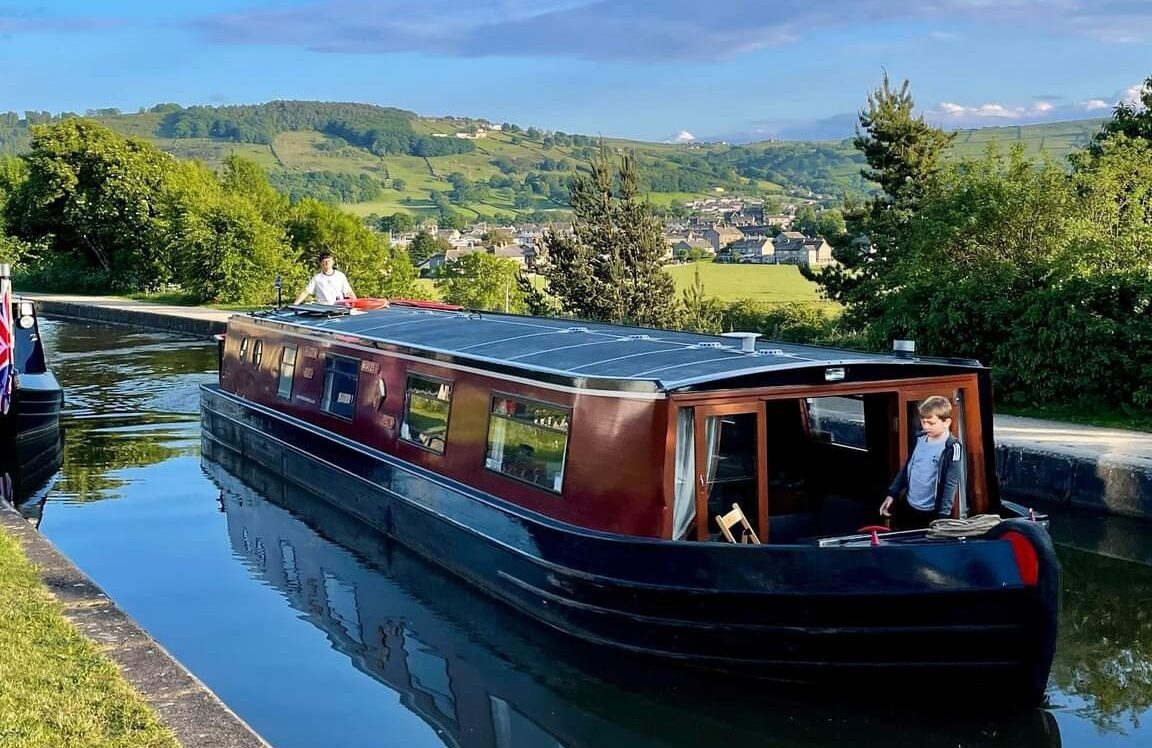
point(32, 423)
point(917, 617)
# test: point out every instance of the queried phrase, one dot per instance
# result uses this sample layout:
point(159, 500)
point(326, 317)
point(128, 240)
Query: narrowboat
point(481, 675)
point(577, 472)
point(31, 398)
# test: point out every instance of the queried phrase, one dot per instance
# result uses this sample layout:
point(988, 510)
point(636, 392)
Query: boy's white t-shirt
point(329, 288)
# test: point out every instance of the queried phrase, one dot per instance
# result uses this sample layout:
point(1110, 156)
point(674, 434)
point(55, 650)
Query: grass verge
point(56, 689)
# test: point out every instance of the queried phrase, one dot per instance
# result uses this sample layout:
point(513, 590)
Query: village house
point(758, 250)
point(794, 248)
point(429, 266)
point(720, 236)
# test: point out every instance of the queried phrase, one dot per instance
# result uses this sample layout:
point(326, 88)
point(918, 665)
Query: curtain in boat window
point(684, 507)
point(684, 503)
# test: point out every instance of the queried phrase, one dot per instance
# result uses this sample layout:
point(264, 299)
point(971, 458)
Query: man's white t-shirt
point(329, 288)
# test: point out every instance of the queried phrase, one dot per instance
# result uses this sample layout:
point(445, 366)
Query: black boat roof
point(569, 351)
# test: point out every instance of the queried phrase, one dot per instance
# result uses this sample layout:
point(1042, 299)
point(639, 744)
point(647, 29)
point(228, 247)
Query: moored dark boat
point(575, 471)
point(31, 398)
point(482, 675)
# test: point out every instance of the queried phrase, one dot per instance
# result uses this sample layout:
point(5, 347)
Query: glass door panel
point(729, 466)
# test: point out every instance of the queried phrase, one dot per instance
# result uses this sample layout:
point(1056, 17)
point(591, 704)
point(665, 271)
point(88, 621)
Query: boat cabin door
point(910, 400)
point(728, 452)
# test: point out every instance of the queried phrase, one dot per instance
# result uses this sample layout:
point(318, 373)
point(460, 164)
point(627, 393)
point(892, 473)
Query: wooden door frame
point(702, 412)
point(968, 394)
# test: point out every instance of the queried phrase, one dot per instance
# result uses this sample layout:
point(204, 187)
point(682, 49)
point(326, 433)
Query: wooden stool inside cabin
point(736, 518)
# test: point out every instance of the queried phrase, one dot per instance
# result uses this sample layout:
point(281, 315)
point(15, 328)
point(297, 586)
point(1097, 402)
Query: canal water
point(320, 632)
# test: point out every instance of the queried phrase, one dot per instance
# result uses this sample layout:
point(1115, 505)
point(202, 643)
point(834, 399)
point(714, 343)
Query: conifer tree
point(905, 158)
point(609, 267)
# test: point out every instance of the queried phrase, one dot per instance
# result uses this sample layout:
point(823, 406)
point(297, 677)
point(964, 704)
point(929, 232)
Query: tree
point(397, 223)
point(1129, 119)
point(424, 245)
point(97, 198)
point(609, 267)
point(493, 238)
point(905, 158)
point(700, 313)
point(806, 220)
point(230, 254)
point(246, 177)
point(478, 280)
point(830, 224)
point(314, 227)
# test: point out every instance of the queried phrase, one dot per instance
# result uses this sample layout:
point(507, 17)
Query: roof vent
point(768, 352)
point(639, 337)
point(576, 329)
point(904, 348)
point(709, 344)
point(747, 340)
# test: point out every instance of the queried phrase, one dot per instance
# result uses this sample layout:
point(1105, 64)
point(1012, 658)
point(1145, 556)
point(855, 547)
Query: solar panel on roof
point(666, 358)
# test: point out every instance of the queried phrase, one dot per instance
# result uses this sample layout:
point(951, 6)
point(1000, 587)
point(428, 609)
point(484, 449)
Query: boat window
point(428, 671)
point(426, 409)
point(243, 348)
point(528, 440)
point(287, 372)
point(257, 352)
point(838, 420)
point(340, 379)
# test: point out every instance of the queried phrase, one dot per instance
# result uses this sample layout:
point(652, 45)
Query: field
point(772, 284)
point(1057, 139)
point(766, 283)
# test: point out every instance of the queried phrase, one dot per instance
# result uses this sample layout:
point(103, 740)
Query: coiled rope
point(963, 528)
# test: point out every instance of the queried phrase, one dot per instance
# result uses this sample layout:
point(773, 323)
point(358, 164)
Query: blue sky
point(646, 69)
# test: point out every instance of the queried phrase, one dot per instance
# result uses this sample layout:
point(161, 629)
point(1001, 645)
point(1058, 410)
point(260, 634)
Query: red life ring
point(363, 303)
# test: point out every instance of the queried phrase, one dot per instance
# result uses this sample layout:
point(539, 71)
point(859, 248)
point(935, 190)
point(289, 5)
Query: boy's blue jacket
point(948, 472)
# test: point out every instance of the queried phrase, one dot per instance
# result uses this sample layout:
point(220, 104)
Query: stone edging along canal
point(1050, 463)
point(196, 715)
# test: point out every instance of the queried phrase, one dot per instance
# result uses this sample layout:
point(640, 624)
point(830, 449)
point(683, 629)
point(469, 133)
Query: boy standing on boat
point(925, 488)
point(329, 285)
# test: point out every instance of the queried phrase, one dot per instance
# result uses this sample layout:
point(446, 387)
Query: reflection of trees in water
point(129, 400)
point(1104, 653)
point(93, 356)
point(96, 449)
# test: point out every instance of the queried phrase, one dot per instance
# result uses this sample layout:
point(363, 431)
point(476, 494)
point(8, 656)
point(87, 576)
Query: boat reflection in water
point(481, 675)
point(28, 473)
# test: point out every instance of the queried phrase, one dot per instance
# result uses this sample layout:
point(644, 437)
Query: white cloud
point(1133, 94)
point(683, 137)
point(951, 114)
point(639, 30)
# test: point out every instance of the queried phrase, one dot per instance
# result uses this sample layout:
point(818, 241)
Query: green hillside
point(382, 160)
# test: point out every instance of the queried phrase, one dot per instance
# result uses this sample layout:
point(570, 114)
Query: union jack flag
point(6, 340)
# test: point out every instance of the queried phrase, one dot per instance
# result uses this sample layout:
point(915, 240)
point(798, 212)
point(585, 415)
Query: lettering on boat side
point(311, 351)
point(306, 399)
point(307, 372)
point(372, 367)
